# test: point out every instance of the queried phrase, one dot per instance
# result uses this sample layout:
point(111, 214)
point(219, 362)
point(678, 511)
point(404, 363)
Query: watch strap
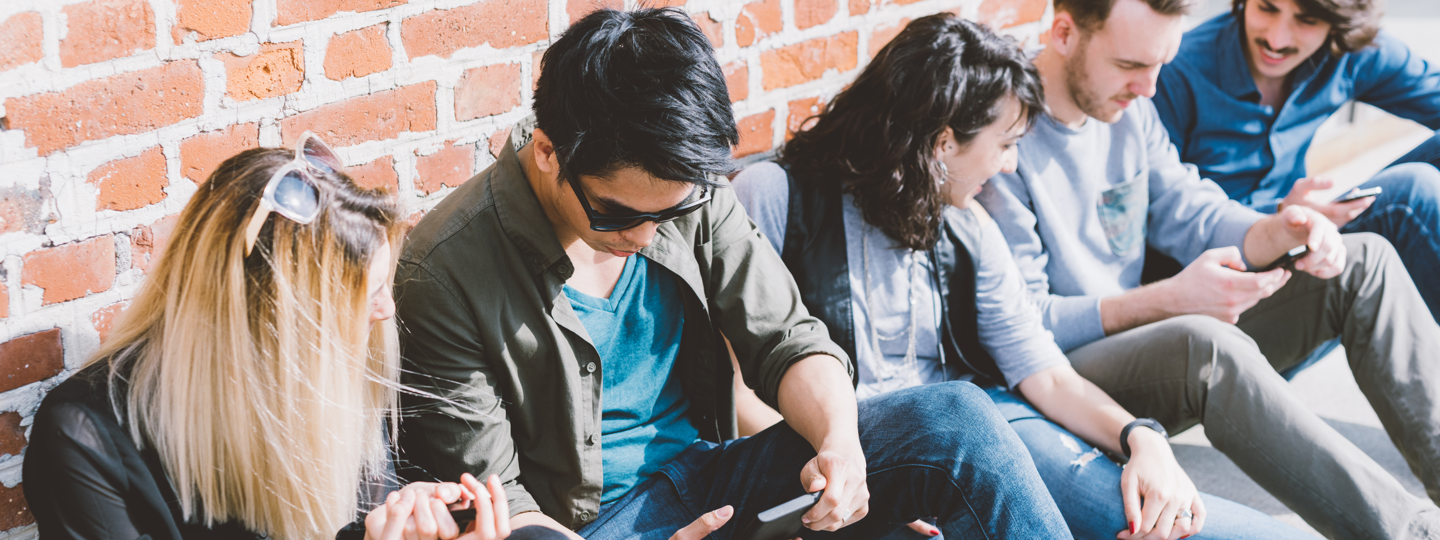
point(1139, 422)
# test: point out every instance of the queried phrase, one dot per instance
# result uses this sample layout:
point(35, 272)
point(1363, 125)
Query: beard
point(1081, 87)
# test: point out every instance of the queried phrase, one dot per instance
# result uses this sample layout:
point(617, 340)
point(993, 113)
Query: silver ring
point(1184, 514)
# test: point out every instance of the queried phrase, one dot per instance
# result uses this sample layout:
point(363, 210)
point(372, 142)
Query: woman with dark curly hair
point(872, 210)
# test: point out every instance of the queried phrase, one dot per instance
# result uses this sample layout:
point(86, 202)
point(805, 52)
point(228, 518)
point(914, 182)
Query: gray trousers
point(1197, 369)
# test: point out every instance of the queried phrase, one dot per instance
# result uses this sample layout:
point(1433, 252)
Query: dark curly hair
point(877, 137)
point(1353, 23)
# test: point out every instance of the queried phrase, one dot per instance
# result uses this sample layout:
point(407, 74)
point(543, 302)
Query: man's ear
point(1064, 33)
point(544, 150)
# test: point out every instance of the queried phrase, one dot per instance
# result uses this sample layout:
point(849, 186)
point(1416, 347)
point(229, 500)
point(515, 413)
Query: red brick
point(23, 210)
point(663, 3)
point(537, 60)
point(31, 358)
point(295, 11)
point(757, 20)
point(1007, 13)
point(578, 9)
point(737, 80)
point(14, 510)
point(412, 221)
point(712, 29)
point(860, 7)
point(210, 19)
point(501, 23)
point(21, 34)
point(12, 434)
point(277, 69)
point(103, 319)
point(4, 301)
point(148, 242)
point(130, 183)
point(376, 117)
point(378, 174)
point(498, 140)
point(73, 270)
point(810, 13)
point(882, 35)
point(808, 60)
point(118, 105)
point(451, 166)
point(358, 53)
point(201, 154)
point(106, 29)
point(801, 115)
point(757, 131)
point(487, 90)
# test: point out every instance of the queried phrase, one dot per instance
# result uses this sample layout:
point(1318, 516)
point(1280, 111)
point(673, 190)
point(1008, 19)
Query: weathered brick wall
point(115, 110)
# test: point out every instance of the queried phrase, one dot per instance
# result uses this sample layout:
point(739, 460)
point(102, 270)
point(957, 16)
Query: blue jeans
point(1088, 494)
point(1407, 214)
point(934, 450)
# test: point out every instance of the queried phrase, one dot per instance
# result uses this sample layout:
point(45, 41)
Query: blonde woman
point(244, 393)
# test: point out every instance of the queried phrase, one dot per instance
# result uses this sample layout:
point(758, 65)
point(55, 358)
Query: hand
point(1216, 284)
point(417, 511)
point(1155, 490)
point(847, 494)
point(923, 527)
point(492, 509)
point(1338, 213)
point(1327, 249)
point(707, 524)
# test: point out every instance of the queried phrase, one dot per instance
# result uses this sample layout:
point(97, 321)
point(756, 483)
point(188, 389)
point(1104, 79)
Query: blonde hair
point(257, 379)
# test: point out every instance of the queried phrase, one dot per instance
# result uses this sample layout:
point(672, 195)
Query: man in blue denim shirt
point(1267, 75)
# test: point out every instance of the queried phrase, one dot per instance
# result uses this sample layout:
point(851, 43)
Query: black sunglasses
point(619, 222)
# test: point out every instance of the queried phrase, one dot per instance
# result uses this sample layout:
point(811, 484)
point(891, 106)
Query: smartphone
point(1289, 257)
point(781, 522)
point(1356, 194)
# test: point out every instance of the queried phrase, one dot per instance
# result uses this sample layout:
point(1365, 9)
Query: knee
point(1212, 343)
point(1371, 253)
point(956, 413)
point(1416, 185)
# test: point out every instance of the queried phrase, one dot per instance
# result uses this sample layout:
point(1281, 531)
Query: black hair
point(878, 136)
point(636, 89)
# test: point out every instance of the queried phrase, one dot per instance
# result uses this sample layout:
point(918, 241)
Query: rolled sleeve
point(757, 303)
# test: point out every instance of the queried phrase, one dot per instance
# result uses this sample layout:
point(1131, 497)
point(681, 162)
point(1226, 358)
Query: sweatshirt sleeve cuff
point(1075, 320)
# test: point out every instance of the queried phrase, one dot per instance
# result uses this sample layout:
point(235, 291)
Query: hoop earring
point(944, 172)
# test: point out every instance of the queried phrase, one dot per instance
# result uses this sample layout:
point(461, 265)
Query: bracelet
point(1139, 422)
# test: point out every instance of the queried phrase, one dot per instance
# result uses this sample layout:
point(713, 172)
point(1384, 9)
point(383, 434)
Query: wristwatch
point(1139, 422)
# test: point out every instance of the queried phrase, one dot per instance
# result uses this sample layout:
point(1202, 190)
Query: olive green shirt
point(508, 380)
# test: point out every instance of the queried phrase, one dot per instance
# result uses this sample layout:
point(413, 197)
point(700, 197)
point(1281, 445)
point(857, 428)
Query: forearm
point(1267, 240)
point(1136, 307)
point(818, 402)
point(525, 519)
point(1079, 406)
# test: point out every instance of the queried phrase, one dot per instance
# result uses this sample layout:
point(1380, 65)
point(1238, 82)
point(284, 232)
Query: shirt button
point(592, 439)
point(590, 368)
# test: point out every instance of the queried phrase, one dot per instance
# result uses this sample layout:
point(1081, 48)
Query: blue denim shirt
point(1255, 152)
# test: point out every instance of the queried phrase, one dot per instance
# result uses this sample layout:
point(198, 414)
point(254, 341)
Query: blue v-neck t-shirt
point(636, 332)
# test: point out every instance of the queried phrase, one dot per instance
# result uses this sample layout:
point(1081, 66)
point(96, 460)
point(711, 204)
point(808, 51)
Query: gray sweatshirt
point(1010, 326)
point(1084, 202)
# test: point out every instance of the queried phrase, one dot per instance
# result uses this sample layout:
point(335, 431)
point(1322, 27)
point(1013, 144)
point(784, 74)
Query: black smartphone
point(781, 522)
point(1357, 194)
point(1289, 257)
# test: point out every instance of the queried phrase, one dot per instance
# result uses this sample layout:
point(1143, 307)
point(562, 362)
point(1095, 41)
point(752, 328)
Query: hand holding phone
point(1357, 194)
point(1289, 257)
point(781, 522)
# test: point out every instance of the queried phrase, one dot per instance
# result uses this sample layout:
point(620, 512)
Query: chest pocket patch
point(1122, 214)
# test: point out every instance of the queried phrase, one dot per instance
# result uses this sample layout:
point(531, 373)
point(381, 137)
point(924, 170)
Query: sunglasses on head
point(619, 222)
point(292, 190)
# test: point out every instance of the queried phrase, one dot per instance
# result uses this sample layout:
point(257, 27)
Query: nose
point(1012, 160)
point(1144, 83)
point(1278, 36)
point(641, 235)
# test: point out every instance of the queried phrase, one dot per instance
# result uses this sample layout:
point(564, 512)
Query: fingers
point(1130, 496)
point(425, 527)
point(1165, 522)
point(1150, 510)
point(445, 526)
point(832, 510)
point(484, 512)
point(502, 506)
point(707, 524)
point(397, 516)
point(1198, 508)
point(923, 527)
point(1226, 256)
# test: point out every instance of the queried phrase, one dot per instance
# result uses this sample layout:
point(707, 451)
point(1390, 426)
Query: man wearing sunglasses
point(564, 316)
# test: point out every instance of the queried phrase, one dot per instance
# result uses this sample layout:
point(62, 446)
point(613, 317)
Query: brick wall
point(112, 111)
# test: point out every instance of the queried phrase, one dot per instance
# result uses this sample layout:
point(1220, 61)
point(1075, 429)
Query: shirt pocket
point(1122, 214)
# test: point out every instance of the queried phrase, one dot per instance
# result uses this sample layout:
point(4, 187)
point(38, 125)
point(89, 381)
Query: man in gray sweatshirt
point(1098, 179)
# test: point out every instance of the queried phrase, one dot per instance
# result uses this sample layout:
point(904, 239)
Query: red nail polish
point(1133, 530)
point(934, 532)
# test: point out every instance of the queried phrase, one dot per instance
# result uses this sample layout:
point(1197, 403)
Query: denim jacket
point(508, 380)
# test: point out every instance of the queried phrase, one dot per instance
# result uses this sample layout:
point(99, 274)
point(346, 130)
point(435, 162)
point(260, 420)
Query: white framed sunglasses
point(293, 191)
